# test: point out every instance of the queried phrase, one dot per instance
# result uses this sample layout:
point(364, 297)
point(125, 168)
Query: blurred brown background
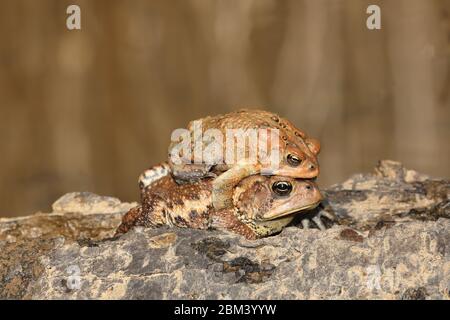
point(89, 110)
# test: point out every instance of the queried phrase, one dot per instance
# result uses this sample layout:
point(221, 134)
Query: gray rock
point(391, 240)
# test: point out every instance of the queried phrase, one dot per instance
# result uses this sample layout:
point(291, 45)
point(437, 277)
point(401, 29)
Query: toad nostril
point(312, 167)
point(308, 187)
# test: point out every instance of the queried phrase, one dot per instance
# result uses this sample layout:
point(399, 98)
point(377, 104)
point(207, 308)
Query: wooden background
point(89, 110)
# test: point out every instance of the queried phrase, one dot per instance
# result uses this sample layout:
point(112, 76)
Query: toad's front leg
point(223, 185)
point(322, 218)
point(226, 220)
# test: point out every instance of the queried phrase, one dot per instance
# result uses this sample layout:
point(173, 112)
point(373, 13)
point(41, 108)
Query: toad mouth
point(292, 212)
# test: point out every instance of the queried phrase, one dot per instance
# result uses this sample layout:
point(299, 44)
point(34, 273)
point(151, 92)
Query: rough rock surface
point(392, 241)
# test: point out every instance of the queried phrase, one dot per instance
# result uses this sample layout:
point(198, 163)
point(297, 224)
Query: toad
point(261, 205)
point(297, 153)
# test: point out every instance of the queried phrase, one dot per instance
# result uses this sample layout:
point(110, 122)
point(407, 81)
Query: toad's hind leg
point(190, 173)
point(151, 214)
point(129, 220)
point(223, 185)
point(153, 174)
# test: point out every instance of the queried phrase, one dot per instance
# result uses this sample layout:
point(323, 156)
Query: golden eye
point(293, 160)
point(282, 188)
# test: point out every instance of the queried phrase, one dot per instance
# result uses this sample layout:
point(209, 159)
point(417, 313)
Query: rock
point(89, 203)
point(391, 241)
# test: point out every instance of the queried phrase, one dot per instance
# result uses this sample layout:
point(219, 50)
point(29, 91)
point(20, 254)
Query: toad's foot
point(319, 218)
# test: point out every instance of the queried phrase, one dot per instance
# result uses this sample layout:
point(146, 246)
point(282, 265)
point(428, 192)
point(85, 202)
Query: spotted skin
point(292, 142)
point(257, 210)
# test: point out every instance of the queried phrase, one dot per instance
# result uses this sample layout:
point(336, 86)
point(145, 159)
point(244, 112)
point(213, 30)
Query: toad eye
point(282, 188)
point(293, 160)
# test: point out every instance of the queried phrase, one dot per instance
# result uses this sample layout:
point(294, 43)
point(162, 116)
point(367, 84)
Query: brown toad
point(297, 153)
point(261, 205)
